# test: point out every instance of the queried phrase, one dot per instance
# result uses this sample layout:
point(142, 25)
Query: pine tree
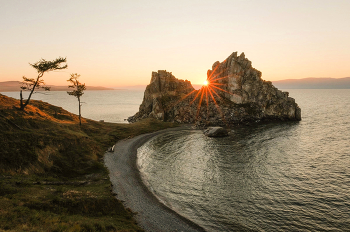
point(78, 90)
point(42, 67)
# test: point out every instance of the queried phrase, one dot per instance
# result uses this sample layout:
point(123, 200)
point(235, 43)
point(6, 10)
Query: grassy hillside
point(52, 177)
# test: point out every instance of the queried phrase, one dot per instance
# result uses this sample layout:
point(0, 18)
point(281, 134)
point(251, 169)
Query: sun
point(207, 92)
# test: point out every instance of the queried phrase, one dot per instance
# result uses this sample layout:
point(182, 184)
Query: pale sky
point(120, 43)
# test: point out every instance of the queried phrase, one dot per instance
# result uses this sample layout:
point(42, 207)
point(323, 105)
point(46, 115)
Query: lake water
point(288, 176)
point(107, 105)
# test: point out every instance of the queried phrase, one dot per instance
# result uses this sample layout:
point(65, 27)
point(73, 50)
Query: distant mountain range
point(305, 83)
point(314, 83)
point(309, 83)
point(11, 86)
point(131, 87)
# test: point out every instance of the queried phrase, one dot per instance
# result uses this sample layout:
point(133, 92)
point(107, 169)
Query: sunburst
point(208, 92)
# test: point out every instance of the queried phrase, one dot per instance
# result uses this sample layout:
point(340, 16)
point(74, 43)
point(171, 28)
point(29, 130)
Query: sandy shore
point(127, 184)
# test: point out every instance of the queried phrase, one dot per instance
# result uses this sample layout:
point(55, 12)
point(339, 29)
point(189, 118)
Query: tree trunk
point(31, 92)
point(79, 111)
point(21, 100)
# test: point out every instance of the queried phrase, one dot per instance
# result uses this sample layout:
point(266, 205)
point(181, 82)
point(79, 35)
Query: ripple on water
point(272, 177)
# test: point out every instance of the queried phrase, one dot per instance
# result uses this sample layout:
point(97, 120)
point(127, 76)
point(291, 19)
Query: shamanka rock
point(236, 94)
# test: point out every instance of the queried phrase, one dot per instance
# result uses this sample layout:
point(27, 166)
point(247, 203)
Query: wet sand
point(127, 184)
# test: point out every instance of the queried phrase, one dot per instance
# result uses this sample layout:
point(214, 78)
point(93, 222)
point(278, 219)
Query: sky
point(117, 43)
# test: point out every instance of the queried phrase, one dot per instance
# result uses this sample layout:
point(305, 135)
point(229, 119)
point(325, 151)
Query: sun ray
point(196, 96)
point(221, 89)
point(200, 103)
point(214, 83)
point(207, 93)
point(217, 106)
point(211, 77)
point(215, 102)
point(212, 95)
point(207, 98)
point(183, 98)
point(215, 92)
point(220, 78)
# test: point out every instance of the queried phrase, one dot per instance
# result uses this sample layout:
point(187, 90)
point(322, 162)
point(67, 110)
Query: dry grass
point(43, 153)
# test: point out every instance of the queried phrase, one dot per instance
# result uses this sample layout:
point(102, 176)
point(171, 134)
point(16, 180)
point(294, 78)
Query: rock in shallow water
point(216, 132)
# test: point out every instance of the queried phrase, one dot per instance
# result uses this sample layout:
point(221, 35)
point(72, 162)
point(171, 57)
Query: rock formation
point(216, 131)
point(236, 94)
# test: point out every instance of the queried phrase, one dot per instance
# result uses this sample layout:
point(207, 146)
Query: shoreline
point(151, 214)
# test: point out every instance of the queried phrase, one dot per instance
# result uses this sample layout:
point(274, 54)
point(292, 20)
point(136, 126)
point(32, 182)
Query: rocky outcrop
point(216, 131)
point(161, 95)
point(235, 94)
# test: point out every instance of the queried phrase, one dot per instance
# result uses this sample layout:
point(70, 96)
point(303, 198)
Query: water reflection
point(271, 177)
point(209, 172)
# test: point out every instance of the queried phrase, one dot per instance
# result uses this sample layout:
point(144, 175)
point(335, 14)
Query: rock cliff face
point(235, 94)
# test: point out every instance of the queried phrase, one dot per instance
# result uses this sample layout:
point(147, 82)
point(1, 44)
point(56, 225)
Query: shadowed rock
point(216, 132)
point(236, 94)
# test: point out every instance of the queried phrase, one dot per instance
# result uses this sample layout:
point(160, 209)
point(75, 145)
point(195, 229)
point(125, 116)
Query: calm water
point(274, 177)
point(108, 105)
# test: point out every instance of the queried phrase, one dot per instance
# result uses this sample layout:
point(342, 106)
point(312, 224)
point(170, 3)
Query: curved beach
point(127, 184)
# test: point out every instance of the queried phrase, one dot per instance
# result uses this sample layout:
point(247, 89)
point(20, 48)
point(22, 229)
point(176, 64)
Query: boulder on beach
point(216, 131)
